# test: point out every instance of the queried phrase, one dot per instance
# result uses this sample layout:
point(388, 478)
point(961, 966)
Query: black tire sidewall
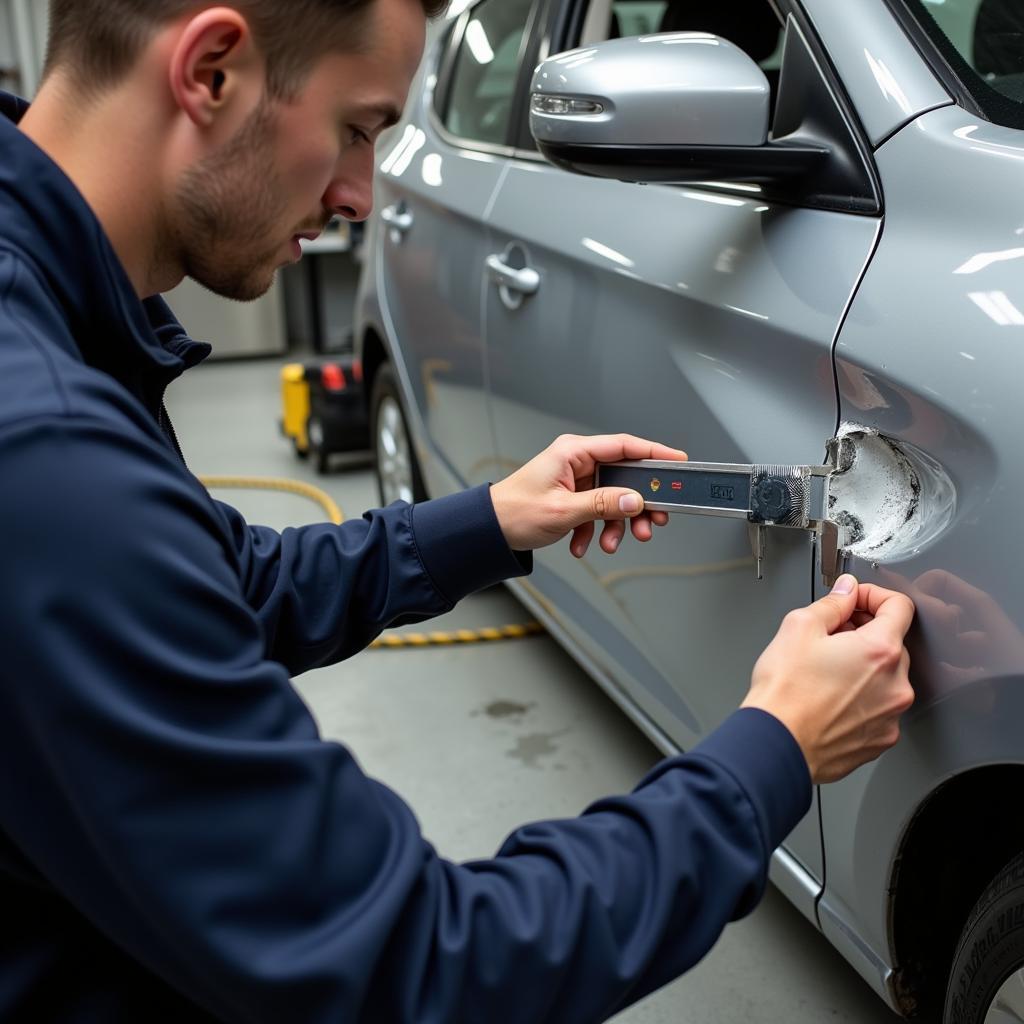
point(386, 386)
point(991, 947)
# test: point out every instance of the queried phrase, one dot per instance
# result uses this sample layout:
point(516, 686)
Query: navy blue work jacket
point(177, 842)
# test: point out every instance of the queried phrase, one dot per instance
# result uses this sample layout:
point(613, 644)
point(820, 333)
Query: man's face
point(238, 213)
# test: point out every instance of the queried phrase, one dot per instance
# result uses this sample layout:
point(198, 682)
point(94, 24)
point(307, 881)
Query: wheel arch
point(940, 871)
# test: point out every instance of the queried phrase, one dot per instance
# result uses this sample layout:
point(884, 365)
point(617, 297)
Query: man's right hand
point(836, 675)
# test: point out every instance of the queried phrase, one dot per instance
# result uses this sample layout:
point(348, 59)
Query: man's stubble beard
point(226, 212)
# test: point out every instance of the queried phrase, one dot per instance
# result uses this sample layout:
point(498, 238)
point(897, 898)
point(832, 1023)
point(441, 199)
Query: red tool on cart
point(324, 408)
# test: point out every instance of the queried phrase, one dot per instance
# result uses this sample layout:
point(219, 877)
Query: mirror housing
point(673, 89)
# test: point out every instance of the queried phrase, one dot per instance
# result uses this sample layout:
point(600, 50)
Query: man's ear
point(215, 67)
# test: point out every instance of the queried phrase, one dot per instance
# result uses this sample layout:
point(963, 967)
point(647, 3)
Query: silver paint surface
point(881, 69)
point(670, 323)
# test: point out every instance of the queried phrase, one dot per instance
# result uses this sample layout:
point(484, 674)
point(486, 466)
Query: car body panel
point(705, 321)
point(884, 75)
point(931, 354)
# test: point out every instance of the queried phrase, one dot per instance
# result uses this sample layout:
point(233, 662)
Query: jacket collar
point(45, 219)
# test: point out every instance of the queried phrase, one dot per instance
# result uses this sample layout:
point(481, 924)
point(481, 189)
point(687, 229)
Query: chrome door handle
point(525, 281)
point(396, 219)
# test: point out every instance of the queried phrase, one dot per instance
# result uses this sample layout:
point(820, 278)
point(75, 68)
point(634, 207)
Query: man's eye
point(358, 135)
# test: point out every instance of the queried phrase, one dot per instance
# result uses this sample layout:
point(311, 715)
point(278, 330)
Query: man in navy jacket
point(176, 840)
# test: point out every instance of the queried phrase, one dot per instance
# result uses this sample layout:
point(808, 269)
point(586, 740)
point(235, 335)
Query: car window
point(751, 24)
point(479, 103)
point(610, 19)
point(983, 41)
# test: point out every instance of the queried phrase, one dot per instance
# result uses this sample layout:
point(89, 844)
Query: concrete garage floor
point(484, 738)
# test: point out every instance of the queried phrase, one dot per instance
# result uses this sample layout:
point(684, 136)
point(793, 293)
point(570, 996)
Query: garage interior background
point(309, 307)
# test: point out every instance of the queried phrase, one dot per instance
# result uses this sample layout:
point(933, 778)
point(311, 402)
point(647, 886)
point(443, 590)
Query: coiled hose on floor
point(389, 641)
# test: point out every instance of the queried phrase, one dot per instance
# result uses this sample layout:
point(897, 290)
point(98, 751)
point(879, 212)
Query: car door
point(433, 190)
point(700, 316)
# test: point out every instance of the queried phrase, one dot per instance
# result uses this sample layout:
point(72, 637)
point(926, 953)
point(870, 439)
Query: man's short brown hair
point(99, 40)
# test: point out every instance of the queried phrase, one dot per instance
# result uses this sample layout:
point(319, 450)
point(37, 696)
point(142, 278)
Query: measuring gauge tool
point(789, 497)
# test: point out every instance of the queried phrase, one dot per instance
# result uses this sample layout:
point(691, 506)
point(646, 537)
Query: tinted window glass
point(634, 18)
point(750, 24)
point(484, 76)
point(983, 41)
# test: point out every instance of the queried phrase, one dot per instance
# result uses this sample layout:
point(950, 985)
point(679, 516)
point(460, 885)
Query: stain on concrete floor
point(530, 749)
point(505, 709)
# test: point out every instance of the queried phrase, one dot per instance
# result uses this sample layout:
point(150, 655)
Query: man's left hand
point(554, 494)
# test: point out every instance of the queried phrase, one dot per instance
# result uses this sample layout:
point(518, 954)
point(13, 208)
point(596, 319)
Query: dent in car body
point(889, 497)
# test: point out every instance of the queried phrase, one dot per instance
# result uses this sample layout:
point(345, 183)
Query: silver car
point(760, 231)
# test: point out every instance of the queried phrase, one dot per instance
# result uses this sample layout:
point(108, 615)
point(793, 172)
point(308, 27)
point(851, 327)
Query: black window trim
point(537, 49)
point(438, 109)
point(442, 87)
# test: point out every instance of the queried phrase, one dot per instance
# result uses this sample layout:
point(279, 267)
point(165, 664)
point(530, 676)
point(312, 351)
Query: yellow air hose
point(272, 483)
point(390, 641)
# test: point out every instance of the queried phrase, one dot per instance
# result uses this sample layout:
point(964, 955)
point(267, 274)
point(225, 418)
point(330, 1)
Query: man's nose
point(351, 196)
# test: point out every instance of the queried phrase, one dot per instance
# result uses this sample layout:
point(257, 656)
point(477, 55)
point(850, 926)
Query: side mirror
point(674, 89)
point(675, 107)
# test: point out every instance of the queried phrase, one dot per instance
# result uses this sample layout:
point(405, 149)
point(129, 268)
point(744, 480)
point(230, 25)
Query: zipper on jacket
point(168, 428)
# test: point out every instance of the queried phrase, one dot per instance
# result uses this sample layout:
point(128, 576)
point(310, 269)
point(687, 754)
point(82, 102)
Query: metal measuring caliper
point(791, 497)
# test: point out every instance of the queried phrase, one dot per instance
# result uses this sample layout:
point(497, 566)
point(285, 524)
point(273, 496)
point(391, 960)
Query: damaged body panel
point(887, 497)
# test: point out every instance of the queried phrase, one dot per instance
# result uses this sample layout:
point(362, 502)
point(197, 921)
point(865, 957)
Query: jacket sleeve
point(323, 592)
point(173, 788)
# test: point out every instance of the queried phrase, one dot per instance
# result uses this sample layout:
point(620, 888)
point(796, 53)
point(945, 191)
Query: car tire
point(394, 458)
point(986, 983)
point(315, 433)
